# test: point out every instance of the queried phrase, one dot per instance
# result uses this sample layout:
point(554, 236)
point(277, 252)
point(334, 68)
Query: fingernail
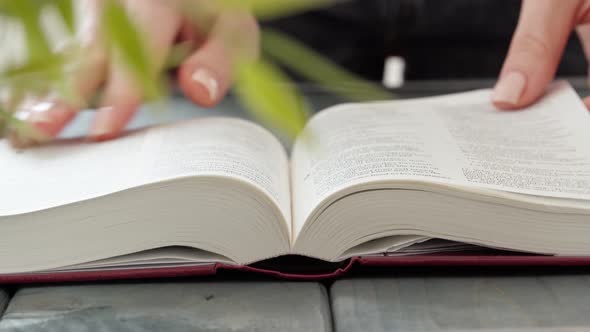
point(46, 118)
point(509, 88)
point(35, 113)
point(110, 121)
point(102, 127)
point(207, 80)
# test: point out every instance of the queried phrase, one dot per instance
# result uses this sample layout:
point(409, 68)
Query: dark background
point(439, 39)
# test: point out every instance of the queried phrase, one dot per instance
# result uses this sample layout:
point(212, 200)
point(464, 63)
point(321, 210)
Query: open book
point(369, 178)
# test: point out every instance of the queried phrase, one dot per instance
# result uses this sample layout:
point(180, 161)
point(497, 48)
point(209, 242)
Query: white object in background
point(393, 75)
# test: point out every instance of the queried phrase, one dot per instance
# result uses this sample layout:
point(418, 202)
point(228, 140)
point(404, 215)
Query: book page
point(457, 139)
point(224, 147)
point(68, 172)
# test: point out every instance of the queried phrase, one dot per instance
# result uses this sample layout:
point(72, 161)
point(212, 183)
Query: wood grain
point(552, 303)
point(170, 307)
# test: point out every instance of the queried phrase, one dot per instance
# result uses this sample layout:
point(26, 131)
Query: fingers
point(206, 75)
point(537, 45)
point(120, 101)
point(122, 95)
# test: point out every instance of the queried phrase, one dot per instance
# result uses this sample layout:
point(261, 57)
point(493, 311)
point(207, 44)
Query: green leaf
point(43, 71)
point(316, 68)
point(53, 63)
point(268, 95)
point(178, 53)
point(35, 77)
point(27, 12)
point(9, 122)
point(66, 11)
point(4, 119)
point(128, 44)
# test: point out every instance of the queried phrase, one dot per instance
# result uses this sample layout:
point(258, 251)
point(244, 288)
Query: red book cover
point(356, 263)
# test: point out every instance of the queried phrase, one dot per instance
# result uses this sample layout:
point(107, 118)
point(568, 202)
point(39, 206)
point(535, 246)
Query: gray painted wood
point(520, 304)
point(171, 307)
point(3, 301)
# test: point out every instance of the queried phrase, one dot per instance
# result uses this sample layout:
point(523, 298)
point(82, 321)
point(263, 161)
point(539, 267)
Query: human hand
point(204, 76)
point(536, 49)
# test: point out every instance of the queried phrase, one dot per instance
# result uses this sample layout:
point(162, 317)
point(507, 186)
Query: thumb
point(537, 45)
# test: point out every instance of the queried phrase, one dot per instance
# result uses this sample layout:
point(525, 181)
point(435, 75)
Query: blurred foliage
point(44, 70)
point(278, 105)
point(127, 43)
point(260, 84)
point(314, 67)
